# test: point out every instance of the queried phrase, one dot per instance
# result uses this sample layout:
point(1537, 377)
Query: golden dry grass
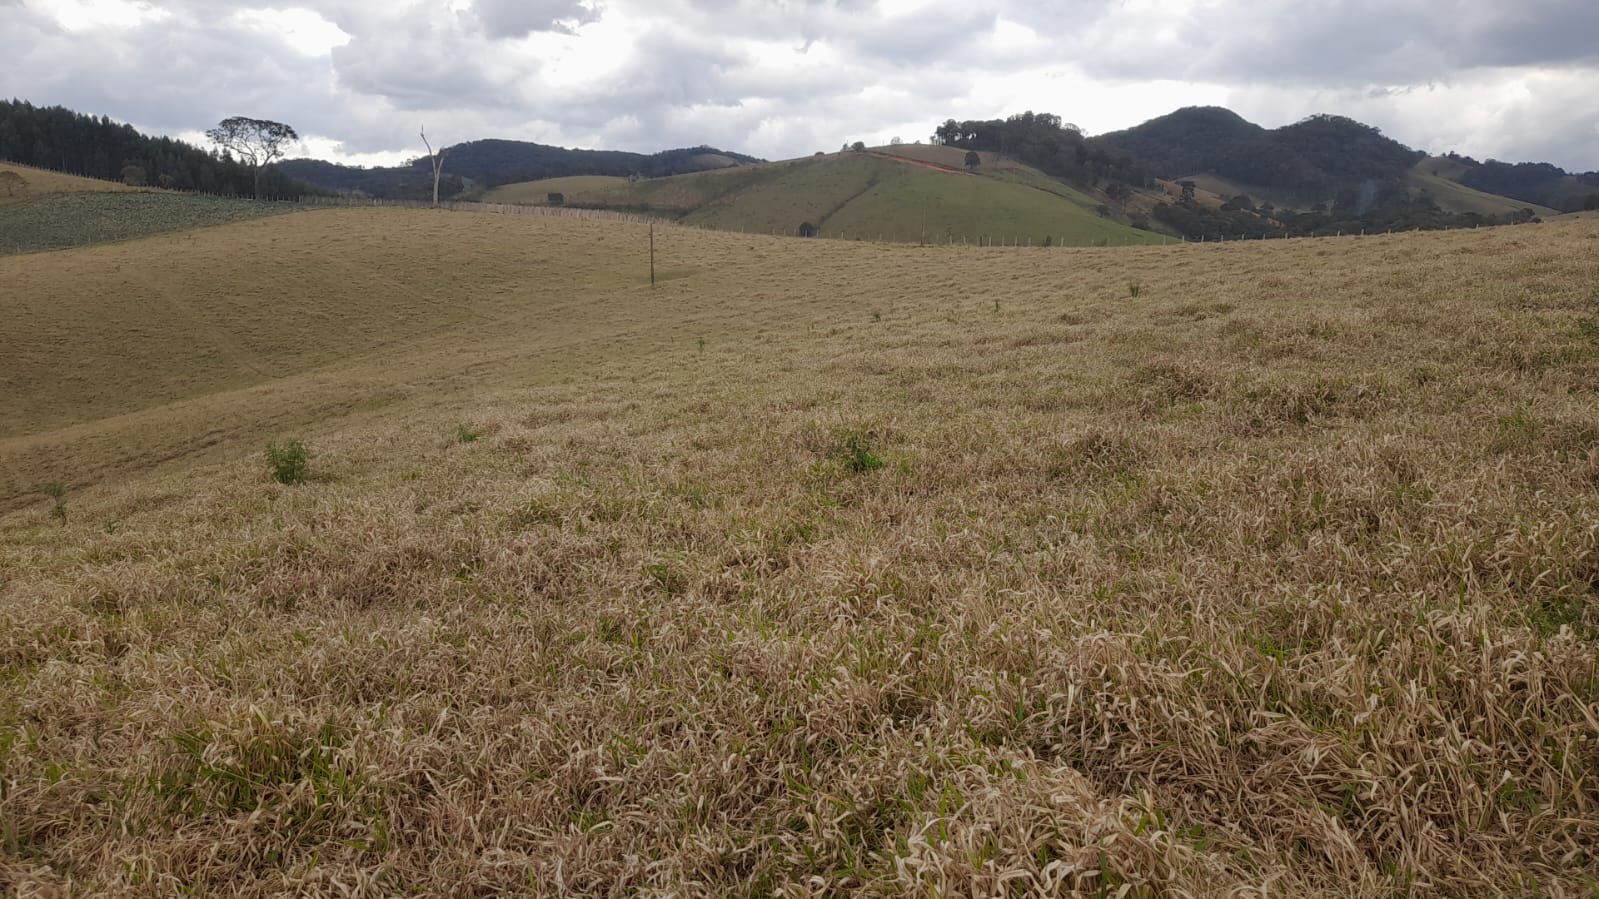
point(42, 182)
point(1436, 176)
point(536, 193)
point(1277, 578)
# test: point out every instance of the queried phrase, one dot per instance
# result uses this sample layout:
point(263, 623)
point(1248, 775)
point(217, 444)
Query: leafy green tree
point(133, 175)
point(972, 159)
point(259, 142)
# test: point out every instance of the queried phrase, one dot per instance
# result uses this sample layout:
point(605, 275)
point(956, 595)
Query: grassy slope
point(536, 193)
point(100, 334)
point(866, 196)
point(1281, 572)
point(42, 182)
point(1435, 176)
point(1221, 190)
point(1448, 194)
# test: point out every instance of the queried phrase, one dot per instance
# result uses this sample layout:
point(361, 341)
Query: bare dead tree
point(438, 164)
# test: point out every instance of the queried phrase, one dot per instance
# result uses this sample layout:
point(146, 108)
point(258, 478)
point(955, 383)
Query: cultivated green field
point(821, 568)
point(865, 196)
point(80, 218)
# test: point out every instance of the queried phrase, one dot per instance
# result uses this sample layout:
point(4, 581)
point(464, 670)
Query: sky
point(358, 79)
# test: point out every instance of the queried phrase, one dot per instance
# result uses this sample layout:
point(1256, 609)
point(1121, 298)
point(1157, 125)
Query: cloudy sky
point(779, 78)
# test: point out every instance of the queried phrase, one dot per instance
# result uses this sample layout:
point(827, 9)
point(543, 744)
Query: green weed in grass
point(856, 451)
point(57, 491)
point(290, 463)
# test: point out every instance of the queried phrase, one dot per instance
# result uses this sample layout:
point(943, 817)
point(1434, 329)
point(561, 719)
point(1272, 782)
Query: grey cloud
point(924, 40)
point(170, 76)
point(1330, 42)
point(520, 18)
point(428, 65)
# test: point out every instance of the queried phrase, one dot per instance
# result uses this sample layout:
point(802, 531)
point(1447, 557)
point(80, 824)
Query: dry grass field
point(42, 182)
point(822, 568)
point(536, 193)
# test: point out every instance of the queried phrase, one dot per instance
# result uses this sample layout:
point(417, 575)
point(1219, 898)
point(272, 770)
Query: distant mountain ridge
point(1310, 161)
point(1325, 159)
point(492, 162)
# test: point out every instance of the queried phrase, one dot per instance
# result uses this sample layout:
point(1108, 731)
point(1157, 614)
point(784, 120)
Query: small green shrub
point(465, 434)
point(289, 463)
point(1134, 289)
point(58, 492)
point(856, 451)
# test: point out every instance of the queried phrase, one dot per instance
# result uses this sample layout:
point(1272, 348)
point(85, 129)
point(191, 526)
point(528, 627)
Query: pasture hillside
point(536, 193)
point(821, 568)
point(894, 194)
point(38, 183)
point(1436, 176)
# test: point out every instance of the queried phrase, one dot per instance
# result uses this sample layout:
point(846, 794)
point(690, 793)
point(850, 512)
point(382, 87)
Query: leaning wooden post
point(652, 254)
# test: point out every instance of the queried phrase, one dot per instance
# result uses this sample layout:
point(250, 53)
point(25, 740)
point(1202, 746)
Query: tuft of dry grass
point(1281, 577)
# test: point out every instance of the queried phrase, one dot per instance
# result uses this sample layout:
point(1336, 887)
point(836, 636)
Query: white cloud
point(306, 31)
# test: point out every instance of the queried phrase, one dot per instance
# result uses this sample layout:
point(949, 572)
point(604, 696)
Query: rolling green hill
point(906, 194)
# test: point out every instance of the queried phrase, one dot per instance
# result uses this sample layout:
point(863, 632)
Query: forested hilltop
point(56, 138)
point(1312, 161)
point(1532, 182)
